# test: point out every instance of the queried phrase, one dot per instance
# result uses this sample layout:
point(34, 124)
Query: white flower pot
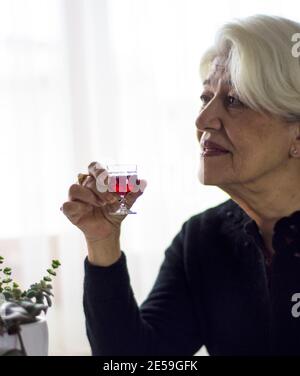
point(34, 335)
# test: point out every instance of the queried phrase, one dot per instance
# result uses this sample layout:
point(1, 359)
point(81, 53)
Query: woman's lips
point(207, 144)
point(207, 152)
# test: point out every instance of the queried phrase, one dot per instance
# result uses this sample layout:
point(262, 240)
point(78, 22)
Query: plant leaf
point(50, 271)
point(7, 280)
point(31, 294)
point(48, 300)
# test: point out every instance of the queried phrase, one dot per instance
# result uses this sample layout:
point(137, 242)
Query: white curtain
point(112, 81)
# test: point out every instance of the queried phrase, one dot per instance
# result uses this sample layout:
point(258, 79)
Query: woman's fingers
point(81, 178)
point(83, 194)
point(74, 210)
point(96, 169)
point(131, 197)
point(100, 187)
point(100, 174)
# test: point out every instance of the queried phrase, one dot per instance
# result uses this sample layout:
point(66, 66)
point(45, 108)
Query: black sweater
point(212, 289)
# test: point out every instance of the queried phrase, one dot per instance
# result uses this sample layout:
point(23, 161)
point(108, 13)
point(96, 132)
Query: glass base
point(122, 211)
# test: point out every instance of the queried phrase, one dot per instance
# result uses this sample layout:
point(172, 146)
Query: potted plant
point(23, 325)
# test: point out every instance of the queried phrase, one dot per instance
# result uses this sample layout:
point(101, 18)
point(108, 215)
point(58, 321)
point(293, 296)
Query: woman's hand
point(89, 209)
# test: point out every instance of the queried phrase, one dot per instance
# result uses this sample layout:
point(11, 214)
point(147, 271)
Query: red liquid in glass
point(121, 184)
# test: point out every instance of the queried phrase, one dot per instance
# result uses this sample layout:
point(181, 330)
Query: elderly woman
point(230, 279)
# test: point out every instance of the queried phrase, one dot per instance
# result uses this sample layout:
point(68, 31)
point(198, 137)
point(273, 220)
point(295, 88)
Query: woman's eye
point(233, 101)
point(204, 99)
point(230, 101)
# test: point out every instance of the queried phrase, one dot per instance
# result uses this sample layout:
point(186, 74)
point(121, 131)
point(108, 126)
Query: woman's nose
point(210, 116)
point(214, 123)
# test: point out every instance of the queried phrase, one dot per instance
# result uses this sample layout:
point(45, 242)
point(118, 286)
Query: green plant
point(23, 306)
point(40, 291)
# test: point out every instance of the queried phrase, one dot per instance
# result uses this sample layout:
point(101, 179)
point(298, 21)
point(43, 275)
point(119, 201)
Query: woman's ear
point(295, 146)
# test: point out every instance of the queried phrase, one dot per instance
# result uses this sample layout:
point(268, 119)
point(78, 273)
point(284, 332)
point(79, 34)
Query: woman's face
point(259, 144)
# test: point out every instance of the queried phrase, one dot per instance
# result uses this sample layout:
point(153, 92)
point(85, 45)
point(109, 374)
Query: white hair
point(259, 59)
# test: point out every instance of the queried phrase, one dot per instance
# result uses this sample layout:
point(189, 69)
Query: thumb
point(131, 197)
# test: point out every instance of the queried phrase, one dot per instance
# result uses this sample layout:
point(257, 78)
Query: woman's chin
point(212, 178)
point(208, 182)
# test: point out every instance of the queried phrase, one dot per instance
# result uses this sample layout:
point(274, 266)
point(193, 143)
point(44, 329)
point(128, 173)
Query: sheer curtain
point(112, 81)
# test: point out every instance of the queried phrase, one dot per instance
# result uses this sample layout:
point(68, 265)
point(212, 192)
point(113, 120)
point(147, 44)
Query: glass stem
point(122, 202)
